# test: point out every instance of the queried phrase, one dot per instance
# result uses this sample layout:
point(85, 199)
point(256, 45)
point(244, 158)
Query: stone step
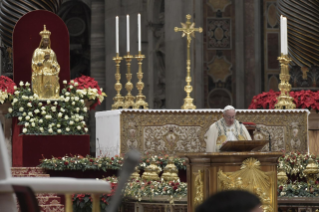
point(27, 170)
point(52, 207)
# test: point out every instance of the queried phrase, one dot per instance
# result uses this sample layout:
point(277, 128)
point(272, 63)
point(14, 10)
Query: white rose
point(76, 98)
point(73, 103)
point(24, 130)
point(24, 97)
point(71, 86)
point(83, 123)
point(31, 120)
point(31, 98)
point(50, 130)
point(48, 102)
point(10, 110)
point(42, 108)
point(29, 104)
point(65, 82)
point(27, 118)
point(72, 81)
point(55, 103)
point(40, 104)
point(59, 131)
point(27, 84)
point(67, 129)
point(43, 112)
point(60, 115)
point(71, 122)
point(15, 100)
point(58, 125)
point(67, 99)
point(86, 129)
point(78, 127)
point(21, 83)
point(53, 109)
point(81, 117)
point(35, 96)
point(67, 93)
point(72, 98)
point(85, 109)
point(36, 111)
point(41, 129)
point(76, 84)
point(29, 89)
point(15, 87)
point(26, 124)
point(62, 110)
point(77, 120)
point(20, 118)
point(48, 116)
point(82, 101)
point(33, 124)
point(21, 109)
point(40, 121)
point(16, 92)
point(52, 124)
point(24, 114)
point(66, 117)
point(30, 114)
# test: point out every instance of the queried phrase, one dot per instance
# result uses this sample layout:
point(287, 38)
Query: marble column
point(97, 57)
point(239, 46)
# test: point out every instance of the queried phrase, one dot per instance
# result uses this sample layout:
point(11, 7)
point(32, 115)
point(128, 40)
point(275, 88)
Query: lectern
point(208, 173)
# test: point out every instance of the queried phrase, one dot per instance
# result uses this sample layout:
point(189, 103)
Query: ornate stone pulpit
point(208, 173)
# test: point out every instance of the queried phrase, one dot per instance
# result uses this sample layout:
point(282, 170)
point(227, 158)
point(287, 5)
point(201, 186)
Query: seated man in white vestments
point(225, 129)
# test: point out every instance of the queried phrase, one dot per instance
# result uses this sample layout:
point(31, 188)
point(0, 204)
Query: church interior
point(156, 105)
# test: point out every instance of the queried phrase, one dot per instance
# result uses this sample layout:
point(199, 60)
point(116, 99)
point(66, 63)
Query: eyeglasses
point(230, 117)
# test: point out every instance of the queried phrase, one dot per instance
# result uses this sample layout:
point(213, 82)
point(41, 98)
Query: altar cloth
point(174, 131)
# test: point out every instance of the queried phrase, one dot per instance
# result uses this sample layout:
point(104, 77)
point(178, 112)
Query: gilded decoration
point(219, 68)
point(250, 178)
point(198, 188)
point(174, 131)
point(218, 4)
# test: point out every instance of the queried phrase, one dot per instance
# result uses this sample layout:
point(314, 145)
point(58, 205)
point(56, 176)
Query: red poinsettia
point(90, 88)
point(6, 84)
point(303, 99)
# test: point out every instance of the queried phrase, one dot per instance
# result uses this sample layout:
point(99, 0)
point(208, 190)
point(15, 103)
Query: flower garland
point(101, 163)
point(295, 163)
point(303, 99)
point(299, 189)
point(7, 87)
point(89, 89)
point(64, 116)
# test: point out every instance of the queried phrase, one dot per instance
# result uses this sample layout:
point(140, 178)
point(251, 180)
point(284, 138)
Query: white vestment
point(219, 132)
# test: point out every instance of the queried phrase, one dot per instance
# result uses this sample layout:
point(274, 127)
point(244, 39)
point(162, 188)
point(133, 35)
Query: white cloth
point(213, 133)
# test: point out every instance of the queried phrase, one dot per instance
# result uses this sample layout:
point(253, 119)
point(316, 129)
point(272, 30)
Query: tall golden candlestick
point(285, 101)
point(188, 30)
point(118, 99)
point(129, 98)
point(140, 98)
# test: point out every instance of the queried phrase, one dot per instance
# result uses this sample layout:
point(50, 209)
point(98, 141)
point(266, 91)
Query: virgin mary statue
point(45, 69)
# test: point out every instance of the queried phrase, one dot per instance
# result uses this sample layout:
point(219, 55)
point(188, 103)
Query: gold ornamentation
point(118, 99)
point(281, 173)
point(170, 171)
point(136, 173)
point(199, 186)
point(189, 30)
point(129, 98)
point(311, 171)
point(45, 69)
point(140, 98)
point(219, 4)
point(151, 172)
point(285, 101)
point(219, 69)
point(250, 178)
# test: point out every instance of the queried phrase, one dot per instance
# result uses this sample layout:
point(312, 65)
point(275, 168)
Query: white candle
point(281, 35)
point(117, 34)
point(286, 35)
point(127, 33)
point(139, 32)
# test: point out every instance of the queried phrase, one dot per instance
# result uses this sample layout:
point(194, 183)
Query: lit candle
point(286, 35)
point(281, 35)
point(128, 33)
point(117, 34)
point(139, 32)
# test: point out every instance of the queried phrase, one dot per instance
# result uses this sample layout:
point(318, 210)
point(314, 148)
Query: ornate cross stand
point(188, 30)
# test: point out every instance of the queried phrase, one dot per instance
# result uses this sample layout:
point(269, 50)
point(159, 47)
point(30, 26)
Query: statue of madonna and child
point(45, 69)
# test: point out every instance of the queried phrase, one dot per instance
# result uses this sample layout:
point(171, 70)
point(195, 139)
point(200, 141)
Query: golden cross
point(188, 29)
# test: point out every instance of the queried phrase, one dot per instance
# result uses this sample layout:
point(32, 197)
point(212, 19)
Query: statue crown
point(45, 33)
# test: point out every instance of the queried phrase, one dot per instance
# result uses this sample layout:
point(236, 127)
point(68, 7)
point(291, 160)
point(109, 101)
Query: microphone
point(268, 137)
point(130, 162)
